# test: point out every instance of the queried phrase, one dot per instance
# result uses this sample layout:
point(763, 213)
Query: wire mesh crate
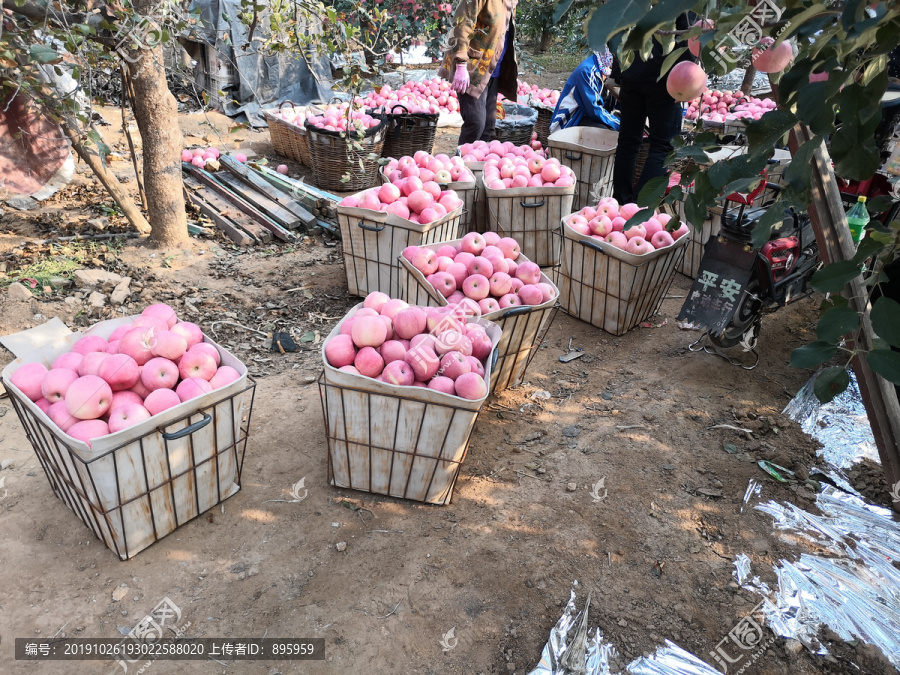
point(531, 216)
point(373, 240)
point(590, 152)
point(610, 288)
point(479, 221)
point(524, 327)
point(406, 442)
point(134, 487)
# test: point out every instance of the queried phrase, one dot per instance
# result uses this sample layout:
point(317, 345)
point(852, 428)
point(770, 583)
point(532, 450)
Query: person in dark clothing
point(643, 96)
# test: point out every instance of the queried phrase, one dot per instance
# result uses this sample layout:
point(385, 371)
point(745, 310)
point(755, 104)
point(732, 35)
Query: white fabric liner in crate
point(370, 256)
point(531, 216)
point(513, 355)
point(133, 522)
point(590, 152)
point(404, 424)
point(615, 307)
point(467, 191)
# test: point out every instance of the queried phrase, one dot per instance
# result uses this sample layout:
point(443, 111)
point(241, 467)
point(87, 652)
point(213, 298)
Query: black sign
point(724, 272)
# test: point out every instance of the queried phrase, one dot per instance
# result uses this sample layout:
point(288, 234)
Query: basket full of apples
point(450, 173)
point(401, 391)
point(377, 224)
point(344, 147)
point(612, 277)
point(288, 131)
point(526, 197)
point(486, 275)
point(139, 422)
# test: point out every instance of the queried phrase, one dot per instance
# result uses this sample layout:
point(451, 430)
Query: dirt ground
point(495, 566)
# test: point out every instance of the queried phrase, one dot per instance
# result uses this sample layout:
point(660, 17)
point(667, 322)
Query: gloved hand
point(460, 79)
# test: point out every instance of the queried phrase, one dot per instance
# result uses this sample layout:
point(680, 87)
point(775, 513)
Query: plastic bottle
point(857, 219)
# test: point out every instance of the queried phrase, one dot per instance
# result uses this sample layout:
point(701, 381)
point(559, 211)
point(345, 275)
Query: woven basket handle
point(288, 101)
point(401, 106)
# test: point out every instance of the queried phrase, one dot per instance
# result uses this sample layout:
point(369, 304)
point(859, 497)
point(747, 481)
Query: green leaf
point(612, 18)
point(886, 320)
point(880, 204)
point(795, 21)
point(663, 12)
point(43, 54)
point(719, 174)
point(812, 355)
point(767, 131)
point(102, 148)
point(797, 173)
point(814, 108)
point(763, 229)
point(886, 363)
point(653, 190)
point(695, 211)
point(561, 8)
point(831, 382)
point(867, 248)
point(641, 216)
point(742, 185)
point(669, 62)
point(835, 323)
point(832, 278)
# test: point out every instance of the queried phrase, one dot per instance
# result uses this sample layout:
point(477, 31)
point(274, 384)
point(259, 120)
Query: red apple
point(70, 360)
point(61, 416)
point(194, 364)
point(340, 351)
point(160, 373)
point(470, 386)
point(88, 430)
point(120, 398)
point(192, 388)
point(189, 331)
point(88, 397)
point(161, 311)
point(120, 372)
point(56, 382)
point(224, 376)
point(127, 416)
point(161, 400)
point(399, 373)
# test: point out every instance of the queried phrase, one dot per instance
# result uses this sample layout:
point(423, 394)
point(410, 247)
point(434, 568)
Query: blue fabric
point(581, 100)
point(496, 72)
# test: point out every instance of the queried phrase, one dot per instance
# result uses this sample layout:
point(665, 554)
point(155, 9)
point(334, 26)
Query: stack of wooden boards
point(253, 204)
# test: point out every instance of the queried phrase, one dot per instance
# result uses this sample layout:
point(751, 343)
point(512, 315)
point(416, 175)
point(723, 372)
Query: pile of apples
point(146, 367)
point(481, 268)
point(519, 172)
point(606, 222)
point(410, 346)
point(432, 96)
point(335, 119)
point(546, 97)
point(202, 157)
point(440, 169)
point(409, 198)
point(481, 151)
point(727, 106)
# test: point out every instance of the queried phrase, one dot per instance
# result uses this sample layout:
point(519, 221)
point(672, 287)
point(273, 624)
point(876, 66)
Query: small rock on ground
point(341, 546)
point(19, 292)
point(119, 593)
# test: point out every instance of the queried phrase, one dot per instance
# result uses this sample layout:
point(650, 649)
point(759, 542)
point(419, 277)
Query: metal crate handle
point(175, 435)
point(569, 155)
point(530, 205)
point(370, 228)
point(593, 245)
point(494, 360)
point(515, 311)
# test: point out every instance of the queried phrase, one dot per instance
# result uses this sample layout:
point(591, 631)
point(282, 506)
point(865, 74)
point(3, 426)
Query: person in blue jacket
point(581, 102)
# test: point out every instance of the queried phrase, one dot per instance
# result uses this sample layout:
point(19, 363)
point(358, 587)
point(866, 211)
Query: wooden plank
point(239, 218)
point(258, 200)
point(236, 234)
point(260, 184)
point(210, 182)
point(835, 243)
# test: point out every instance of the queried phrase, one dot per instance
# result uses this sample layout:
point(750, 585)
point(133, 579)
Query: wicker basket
point(610, 288)
point(407, 132)
point(334, 157)
point(542, 126)
point(288, 139)
point(518, 133)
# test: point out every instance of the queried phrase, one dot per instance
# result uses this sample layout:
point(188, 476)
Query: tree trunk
point(747, 84)
point(156, 114)
point(545, 42)
point(92, 158)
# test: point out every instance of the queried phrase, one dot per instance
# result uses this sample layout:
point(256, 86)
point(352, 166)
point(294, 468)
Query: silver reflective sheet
point(841, 426)
point(670, 660)
point(856, 593)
